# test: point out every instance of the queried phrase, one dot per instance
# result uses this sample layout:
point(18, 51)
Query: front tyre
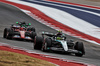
point(8, 33)
point(5, 33)
point(80, 47)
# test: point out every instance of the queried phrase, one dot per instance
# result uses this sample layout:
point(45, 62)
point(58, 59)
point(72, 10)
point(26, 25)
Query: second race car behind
point(20, 31)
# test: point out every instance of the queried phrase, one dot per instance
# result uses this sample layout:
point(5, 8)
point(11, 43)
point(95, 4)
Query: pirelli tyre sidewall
point(33, 34)
point(5, 33)
point(38, 41)
point(8, 33)
point(31, 29)
point(47, 44)
point(80, 47)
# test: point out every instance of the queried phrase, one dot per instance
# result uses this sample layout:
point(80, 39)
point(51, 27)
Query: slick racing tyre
point(47, 44)
point(48, 41)
point(80, 47)
point(8, 33)
point(28, 29)
point(5, 33)
point(38, 42)
point(31, 29)
point(32, 35)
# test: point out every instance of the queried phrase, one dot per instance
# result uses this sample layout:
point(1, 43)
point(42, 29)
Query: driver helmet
point(59, 32)
point(58, 38)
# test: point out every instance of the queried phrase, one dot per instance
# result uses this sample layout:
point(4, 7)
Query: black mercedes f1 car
point(51, 42)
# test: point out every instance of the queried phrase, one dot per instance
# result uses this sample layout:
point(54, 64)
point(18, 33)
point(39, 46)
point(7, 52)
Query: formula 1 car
point(20, 30)
point(50, 41)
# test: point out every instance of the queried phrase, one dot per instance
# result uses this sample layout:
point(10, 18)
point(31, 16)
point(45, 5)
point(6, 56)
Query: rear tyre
point(46, 46)
point(32, 35)
point(38, 41)
point(28, 29)
point(33, 29)
point(80, 47)
point(48, 41)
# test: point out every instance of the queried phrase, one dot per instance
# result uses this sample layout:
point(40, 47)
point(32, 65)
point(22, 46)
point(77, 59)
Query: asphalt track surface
point(9, 15)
